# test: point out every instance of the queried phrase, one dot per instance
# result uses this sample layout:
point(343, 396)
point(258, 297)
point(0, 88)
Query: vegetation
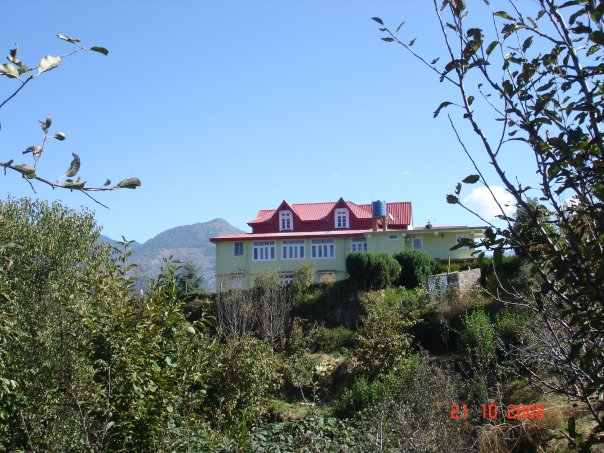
point(535, 73)
point(372, 270)
point(416, 265)
point(88, 363)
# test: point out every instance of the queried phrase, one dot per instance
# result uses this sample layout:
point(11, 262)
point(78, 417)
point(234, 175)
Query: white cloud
point(481, 201)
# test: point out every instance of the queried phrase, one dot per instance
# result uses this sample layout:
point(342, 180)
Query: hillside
point(184, 243)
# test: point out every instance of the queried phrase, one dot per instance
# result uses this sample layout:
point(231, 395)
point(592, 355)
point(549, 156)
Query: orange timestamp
point(491, 411)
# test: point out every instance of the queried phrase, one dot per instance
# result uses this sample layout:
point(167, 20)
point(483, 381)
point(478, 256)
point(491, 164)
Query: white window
point(264, 250)
point(358, 245)
point(323, 249)
point(292, 250)
point(417, 243)
point(286, 277)
point(238, 248)
point(285, 220)
point(341, 218)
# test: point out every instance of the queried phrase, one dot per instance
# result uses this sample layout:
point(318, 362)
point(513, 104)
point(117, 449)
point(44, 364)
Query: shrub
point(303, 278)
point(242, 386)
point(334, 339)
point(513, 325)
point(372, 270)
point(383, 339)
point(477, 332)
point(415, 265)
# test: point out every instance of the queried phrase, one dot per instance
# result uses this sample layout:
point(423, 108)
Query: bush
point(335, 339)
point(513, 325)
point(242, 386)
point(383, 339)
point(415, 265)
point(372, 270)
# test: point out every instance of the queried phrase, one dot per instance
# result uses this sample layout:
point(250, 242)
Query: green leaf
point(9, 70)
point(527, 43)
point(77, 184)
point(68, 38)
point(378, 20)
point(597, 37)
point(452, 199)
point(47, 63)
point(504, 15)
point(472, 179)
point(60, 136)
point(441, 106)
point(492, 46)
point(99, 50)
point(129, 183)
point(45, 125)
point(74, 167)
point(26, 170)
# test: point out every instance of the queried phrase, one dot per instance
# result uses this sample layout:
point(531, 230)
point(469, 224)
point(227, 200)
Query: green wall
point(436, 242)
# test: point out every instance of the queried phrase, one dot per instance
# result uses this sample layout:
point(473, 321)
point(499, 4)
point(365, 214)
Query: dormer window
point(341, 218)
point(285, 221)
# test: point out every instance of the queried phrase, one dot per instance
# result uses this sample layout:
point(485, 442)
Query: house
point(323, 234)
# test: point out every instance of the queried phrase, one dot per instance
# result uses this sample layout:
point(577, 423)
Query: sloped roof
point(399, 212)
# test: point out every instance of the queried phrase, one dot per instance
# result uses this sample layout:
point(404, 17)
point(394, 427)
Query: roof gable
point(399, 213)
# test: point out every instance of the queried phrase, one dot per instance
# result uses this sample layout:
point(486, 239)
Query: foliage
point(409, 410)
point(514, 326)
point(315, 433)
point(188, 279)
point(24, 74)
point(528, 221)
point(538, 73)
point(383, 340)
point(416, 265)
point(241, 387)
point(93, 365)
point(335, 339)
point(372, 270)
point(303, 278)
point(477, 343)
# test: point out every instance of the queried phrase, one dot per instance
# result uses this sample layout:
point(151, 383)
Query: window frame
point(264, 251)
point(286, 221)
point(357, 241)
point(235, 247)
point(296, 245)
point(341, 218)
point(421, 242)
point(323, 249)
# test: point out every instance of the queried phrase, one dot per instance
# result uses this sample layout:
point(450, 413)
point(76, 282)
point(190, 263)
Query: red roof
point(289, 235)
point(399, 212)
point(330, 233)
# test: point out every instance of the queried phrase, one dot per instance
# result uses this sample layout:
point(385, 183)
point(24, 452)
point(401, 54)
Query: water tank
point(379, 208)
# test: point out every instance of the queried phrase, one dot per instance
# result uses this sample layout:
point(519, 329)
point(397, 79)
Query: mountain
point(184, 243)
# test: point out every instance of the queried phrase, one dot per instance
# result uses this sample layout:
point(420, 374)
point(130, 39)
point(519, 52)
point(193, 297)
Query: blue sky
point(222, 108)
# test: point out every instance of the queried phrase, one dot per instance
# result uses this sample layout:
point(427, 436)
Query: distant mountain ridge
point(184, 243)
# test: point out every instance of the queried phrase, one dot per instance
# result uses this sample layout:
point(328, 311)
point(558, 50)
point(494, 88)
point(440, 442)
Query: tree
point(538, 74)
point(23, 75)
point(89, 363)
point(188, 279)
point(416, 266)
point(527, 220)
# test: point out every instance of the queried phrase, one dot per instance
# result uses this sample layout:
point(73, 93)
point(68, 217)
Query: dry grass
point(543, 435)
